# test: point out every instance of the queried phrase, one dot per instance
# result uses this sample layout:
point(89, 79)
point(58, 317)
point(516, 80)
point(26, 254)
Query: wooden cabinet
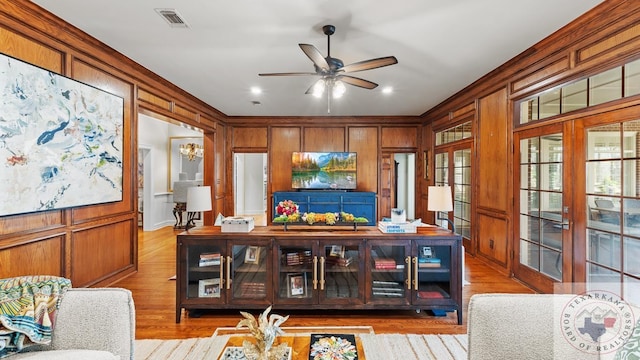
point(358, 203)
point(339, 269)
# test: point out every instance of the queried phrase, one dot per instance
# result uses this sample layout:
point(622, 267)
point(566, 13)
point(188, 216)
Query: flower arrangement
point(287, 207)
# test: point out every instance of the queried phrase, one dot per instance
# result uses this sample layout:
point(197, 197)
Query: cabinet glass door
point(389, 266)
point(248, 271)
point(340, 275)
point(204, 271)
point(431, 276)
point(296, 275)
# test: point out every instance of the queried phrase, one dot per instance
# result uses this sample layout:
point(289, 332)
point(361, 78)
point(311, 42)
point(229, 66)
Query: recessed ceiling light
point(256, 90)
point(387, 90)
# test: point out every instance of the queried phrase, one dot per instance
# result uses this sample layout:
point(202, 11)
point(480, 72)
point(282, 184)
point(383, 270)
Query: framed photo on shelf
point(297, 285)
point(337, 251)
point(427, 252)
point(209, 288)
point(252, 255)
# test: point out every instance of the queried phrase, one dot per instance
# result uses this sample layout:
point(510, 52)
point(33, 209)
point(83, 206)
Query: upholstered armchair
point(92, 323)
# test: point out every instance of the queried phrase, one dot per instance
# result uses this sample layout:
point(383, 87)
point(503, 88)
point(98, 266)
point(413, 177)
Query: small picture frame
point(427, 252)
point(297, 285)
point(337, 251)
point(209, 288)
point(252, 255)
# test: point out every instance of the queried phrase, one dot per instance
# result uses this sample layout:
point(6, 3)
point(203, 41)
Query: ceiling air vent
point(172, 17)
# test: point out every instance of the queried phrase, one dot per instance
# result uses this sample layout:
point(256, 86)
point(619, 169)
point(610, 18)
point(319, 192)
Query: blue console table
point(358, 203)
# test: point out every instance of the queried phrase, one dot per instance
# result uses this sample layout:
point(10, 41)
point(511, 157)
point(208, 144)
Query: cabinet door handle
point(321, 272)
point(224, 281)
point(315, 272)
point(228, 272)
point(415, 273)
point(407, 261)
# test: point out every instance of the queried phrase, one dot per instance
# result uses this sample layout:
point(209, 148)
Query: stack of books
point(302, 257)
point(252, 290)
point(338, 261)
point(209, 259)
point(428, 262)
point(389, 227)
point(384, 263)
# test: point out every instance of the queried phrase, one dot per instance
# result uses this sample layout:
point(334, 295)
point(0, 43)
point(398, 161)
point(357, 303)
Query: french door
point(578, 202)
point(544, 212)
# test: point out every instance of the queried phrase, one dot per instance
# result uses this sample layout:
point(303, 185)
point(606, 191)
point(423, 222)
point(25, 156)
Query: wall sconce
point(440, 199)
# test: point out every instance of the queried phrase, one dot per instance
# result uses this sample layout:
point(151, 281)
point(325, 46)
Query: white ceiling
point(441, 46)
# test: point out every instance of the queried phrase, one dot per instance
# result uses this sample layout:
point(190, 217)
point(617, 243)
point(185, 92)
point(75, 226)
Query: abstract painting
point(60, 141)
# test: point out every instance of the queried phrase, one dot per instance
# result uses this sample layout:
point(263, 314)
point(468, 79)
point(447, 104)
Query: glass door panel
point(389, 271)
point(204, 271)
point(295, 273)
point(433, 272)
point(249, 271)
point(542, 215)
point(339, 265)
point(462, 192)
point(612, 175)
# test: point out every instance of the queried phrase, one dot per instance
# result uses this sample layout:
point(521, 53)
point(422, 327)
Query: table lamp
point(198, 199)
point(441, 200)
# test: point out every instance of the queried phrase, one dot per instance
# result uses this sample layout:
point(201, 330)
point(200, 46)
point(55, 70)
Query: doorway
point(250, 186)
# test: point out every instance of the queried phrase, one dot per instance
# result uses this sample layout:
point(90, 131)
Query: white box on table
point(237, 224)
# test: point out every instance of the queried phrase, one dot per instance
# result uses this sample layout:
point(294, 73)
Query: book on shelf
point(428, 265)
point(384, 263)
point(430, 294)
point(209, 259)
point(429, 262)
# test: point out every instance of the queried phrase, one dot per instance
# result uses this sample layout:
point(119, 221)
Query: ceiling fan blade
point(288, 74)
point(314, 54)
point(369, 64)
point(352, 80)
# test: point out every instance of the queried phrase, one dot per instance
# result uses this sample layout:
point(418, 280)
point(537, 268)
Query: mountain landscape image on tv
point(323, 170)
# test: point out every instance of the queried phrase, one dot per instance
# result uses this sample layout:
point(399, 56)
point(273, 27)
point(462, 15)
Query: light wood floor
point(154, 297)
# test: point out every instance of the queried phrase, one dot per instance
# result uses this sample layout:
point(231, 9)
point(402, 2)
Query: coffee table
point(298, 338)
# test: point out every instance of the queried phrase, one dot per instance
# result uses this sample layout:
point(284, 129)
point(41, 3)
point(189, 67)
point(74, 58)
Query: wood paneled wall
point(92, 245)
point(605, 37)
point(360, 136)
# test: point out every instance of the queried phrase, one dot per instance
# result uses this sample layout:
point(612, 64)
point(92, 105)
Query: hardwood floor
point(154, 297)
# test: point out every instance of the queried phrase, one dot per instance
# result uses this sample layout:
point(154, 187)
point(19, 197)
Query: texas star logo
point(597, 322)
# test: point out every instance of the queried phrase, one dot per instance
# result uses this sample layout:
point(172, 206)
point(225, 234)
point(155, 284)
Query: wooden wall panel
point(324, 139)
point(100, 79)
point(32, 222)
point(493, 238)
point(492, 168)
point(154, 99)
point(364, 142)
point(41, 257)
point(222, 174)
point(284, 141)
point(100, 252)
point(399, 137)
point(27, 50)
point(250, 137)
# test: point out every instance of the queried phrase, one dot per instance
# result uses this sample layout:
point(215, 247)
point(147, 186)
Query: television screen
point(60, 141)
point(323, 170)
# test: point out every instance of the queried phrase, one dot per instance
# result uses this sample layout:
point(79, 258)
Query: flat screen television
point(61, 141)
point(323, 170)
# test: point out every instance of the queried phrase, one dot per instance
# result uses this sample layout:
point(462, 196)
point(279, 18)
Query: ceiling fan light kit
point(332, 71)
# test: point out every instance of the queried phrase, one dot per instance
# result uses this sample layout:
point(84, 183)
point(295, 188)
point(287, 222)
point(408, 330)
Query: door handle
point(407, 261)
point(228, 272)
point(566, 224)
point(222, 272)
point(415, 273)
point(315, 272)
point(321, 272)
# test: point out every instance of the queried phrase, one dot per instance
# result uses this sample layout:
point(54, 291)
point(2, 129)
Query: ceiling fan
point(333, 72)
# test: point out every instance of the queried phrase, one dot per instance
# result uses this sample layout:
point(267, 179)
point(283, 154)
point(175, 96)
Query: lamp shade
point(440, 198)
point(199, 198)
